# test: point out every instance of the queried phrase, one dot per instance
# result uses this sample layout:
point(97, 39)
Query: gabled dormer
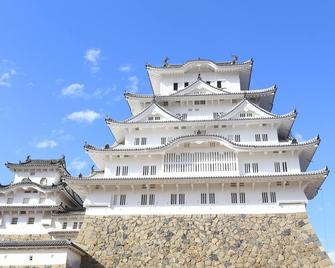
point(246, 109)
point(199, 87)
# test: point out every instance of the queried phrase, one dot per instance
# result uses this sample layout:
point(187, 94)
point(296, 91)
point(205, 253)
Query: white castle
point(203, 143)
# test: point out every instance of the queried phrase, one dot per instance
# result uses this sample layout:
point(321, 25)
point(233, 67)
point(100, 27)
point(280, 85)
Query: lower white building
point(50, 253)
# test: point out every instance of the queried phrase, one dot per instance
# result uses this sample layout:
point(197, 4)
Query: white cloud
point(78, 164)
point(44, 144)
point(331, 255)
point(134, 81)
point(125, 68)
point(92, 56)
point(74, 89)
point(102, 92)
point(299, 136)
point(5, 78)
point(87, 116)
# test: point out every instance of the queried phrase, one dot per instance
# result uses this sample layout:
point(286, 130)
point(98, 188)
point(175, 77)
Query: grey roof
point(235, 144)
point(224, 63)
point(62, 186)
point(58, 163)
point(40, 244)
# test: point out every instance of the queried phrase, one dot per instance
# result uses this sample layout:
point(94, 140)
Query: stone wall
point(24, 237)
point(201, 241)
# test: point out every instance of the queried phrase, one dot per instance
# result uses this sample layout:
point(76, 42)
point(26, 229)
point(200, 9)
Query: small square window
point(64, 225)
point(26, 200)
point(75, 225)
point(10, 200)
point(14, 220)
point(31, 220)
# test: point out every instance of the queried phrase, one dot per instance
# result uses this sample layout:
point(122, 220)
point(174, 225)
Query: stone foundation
point(24, 237)
point(201, 241)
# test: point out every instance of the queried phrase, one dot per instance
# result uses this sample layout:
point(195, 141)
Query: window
point(118, 171)
point(242, 198)
point(242, 115)
point(75, 225)
point(137, 141)
point(122, 199)
point(31, 220)
point(249, 114)
point(175, 86)
point(153, 170)
point(211, 198)
point(32, 173)
point(247, 168)
point(64, 225)
point(273, 197)
point(80, 224)
point(218, 84)
point(30, 257)
point(14, 220)
point(150, 118)
point(284, 165)
point(125, 170)
point(208, 82)
point(233, 198)
point(265, 198)
point(181, 199)
point(265, 137)
point(186, 84)
point(157, 118)
point(277, 166)
point(143, 141)
point(145, 170)
point(163, 140)
point(237, 138)
point(26, 200)
point(10, 200)
point(151, 199)
point(183, 116)
point(173, 199)
point(257, 137)
point(42, 200)
point(199, 102)
point(165, 103)
point(144, 199)
point(203, 198)
point(254, 167)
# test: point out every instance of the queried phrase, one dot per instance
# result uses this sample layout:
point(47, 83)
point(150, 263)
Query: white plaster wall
point(230, 81)
point(154, 134)
point(34, 198)
point(101, 201)
point(51, 176)
point(40, 257)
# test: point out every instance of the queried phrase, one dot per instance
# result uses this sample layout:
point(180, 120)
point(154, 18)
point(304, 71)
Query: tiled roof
point(59, 163)
point(234, 144)
point(28, 244)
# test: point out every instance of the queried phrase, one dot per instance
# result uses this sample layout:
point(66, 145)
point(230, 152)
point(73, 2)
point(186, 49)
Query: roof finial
point(199, 76)
point(234, 59)
point(92, 169)
point(28, 158)
point(166, 62)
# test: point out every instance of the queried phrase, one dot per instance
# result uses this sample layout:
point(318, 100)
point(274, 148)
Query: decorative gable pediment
point(246, 109)
point(154, 112)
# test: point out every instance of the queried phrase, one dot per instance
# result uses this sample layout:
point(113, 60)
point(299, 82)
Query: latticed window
point(145, 170)
point(153, 170)
point(273, 197)
point(144, 199)
point(14, 220)
point(255, 167)
point(173, 199)
point(31, 220)
point(122, 199)
point(265, 137)
point(284, 165)
point(242, 197)
point(163, 140)
point(137, 141)
point(277, 166)
point(211, 198)
point(143, 141)
point(218, 84)
point(181, 199)
point(125, 170)
point(203, 197)
point(118, 171)
point(257, 137)
point(233, 198)
point(151, 199)
point(247, 167)
point(64, 226)
point(265, 198)
point(75, 225)
point(237, 138)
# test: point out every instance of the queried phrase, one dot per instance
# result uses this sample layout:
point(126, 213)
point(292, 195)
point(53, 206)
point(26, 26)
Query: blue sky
point(65, 64)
